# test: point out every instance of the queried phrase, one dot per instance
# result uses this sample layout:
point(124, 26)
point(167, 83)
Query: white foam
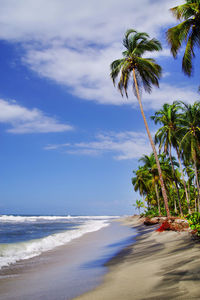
point(11, 218)
point(11, 253)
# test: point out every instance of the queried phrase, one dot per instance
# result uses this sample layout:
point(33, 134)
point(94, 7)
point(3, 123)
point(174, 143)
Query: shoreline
point(157, 266)
point(66, 271)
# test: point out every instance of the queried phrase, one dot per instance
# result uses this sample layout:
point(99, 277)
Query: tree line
point(178, 140)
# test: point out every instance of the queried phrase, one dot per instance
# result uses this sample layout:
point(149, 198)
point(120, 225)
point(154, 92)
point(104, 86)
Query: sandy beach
point(158, 266)
point(117, 262)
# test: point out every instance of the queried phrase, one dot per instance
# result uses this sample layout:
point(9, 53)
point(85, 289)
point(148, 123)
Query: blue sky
point(69, 142)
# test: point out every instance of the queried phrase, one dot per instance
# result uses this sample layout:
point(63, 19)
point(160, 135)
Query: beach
point(125, 260)
point(157, 266)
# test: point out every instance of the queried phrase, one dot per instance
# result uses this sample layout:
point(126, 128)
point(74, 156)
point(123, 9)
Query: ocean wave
point(12, 218)
point(11, 253)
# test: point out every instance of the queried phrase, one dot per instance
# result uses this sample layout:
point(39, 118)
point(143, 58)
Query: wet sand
point(159, 266)
point(66, 271)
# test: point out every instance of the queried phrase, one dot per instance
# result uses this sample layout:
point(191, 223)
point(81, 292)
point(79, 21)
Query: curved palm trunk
point(176, 184)
point(153, 147)
point(158, 199)
point(182, 175)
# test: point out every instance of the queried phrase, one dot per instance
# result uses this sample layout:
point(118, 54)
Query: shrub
point(153, 212)
point(194, 222)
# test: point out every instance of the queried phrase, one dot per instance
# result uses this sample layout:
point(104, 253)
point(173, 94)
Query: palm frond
point(177, 34)
point(187, 57)
point(115, 67)
point(146, 70)
point(184, 11)
point(187, 31)
point(149, 71)
point(126, 40)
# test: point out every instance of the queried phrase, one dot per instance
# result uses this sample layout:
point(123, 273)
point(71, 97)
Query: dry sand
point(158, 266)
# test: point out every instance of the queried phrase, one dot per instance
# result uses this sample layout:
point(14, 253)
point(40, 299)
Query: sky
point(68, 141)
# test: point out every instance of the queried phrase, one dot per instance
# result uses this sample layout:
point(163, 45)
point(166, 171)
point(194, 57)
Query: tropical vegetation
point(167, 181)
point(178, 140)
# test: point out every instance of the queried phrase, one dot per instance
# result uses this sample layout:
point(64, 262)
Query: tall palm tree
point(166, 136)
point(144, 72)
point(187, 32)
point(190, 142)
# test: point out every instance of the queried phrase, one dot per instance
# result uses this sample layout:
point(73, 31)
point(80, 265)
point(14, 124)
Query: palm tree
point(140, 181)
point(166, 136)
point(139, 204)
point(190, 143)
point(191, 177)
point(151, 170)
point(171, 177)
point(144, 72)
point(187, 32)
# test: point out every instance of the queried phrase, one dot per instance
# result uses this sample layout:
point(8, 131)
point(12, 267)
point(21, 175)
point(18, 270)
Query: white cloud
point(24, 120)
point(73, 43)
point(80, 22)
point(86, 72)
point(121, 145)
point(87, 76)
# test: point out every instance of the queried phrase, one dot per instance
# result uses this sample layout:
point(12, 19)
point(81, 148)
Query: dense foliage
point(178, 139)
point(194, 222)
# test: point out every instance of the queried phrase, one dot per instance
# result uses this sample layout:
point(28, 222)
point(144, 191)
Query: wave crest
point(11, 253)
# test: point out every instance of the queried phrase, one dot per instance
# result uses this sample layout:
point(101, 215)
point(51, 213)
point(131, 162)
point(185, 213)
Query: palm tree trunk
point(153, 147)
point(175, 207)
point(188, 189)
point(182, 175)
point(158, 200)
point(195, 203)
point(177, 189)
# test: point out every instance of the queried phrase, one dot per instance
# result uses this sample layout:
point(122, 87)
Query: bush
point(194, 222)
point(153, 212)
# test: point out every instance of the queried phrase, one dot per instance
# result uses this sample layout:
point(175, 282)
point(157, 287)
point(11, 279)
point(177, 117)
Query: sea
point(24, 237)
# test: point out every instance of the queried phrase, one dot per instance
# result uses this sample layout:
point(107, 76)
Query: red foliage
point(165, 226)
